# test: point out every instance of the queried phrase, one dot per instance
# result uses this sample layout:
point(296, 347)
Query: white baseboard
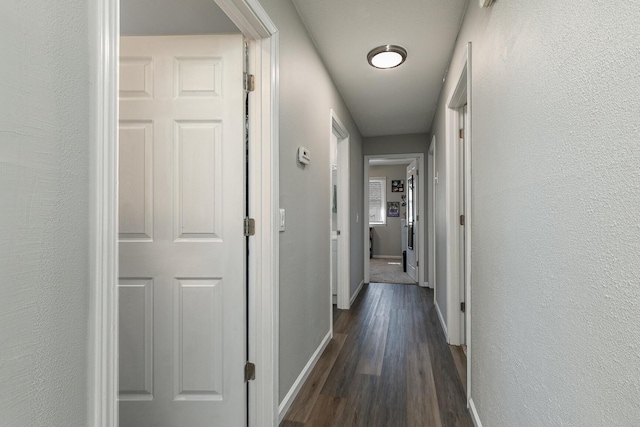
point(355, 294)
point(295, 388)
point(424, 284)
point(442, 322)
point(387, 256)
point(474, 413)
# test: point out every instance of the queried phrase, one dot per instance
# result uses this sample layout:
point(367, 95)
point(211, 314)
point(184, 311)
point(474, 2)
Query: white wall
point(44, 212)
point(307, 94)
point(387, 238)
point(556, 237)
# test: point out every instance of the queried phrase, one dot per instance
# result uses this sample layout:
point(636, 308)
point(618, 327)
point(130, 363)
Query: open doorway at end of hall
point(394, 200)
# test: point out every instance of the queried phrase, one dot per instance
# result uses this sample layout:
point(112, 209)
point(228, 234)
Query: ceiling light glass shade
point(387, 56)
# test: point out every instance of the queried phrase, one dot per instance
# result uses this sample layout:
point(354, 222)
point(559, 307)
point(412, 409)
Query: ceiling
point(396, 101)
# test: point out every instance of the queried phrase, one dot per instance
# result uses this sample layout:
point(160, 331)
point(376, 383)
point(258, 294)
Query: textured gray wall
point(184, 17)
point(556, 196)
point(387, 239)
point(44, 212)
point(396, 144)
point(305, 194)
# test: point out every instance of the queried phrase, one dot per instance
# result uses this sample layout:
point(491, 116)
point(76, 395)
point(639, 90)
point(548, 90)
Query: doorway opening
point(431, 210)
point(260, 401)
point(340, 214)
point(394, 196)
point(459, 219)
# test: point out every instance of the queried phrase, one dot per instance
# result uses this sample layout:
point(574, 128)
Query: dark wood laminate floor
point(388, 365)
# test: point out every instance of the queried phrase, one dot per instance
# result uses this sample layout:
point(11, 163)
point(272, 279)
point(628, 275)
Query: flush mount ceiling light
point(387, 56)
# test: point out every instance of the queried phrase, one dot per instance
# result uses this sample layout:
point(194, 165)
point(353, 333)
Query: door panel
point(462, 235)
point(412, 226)
point(182, 295)
point(334, 216)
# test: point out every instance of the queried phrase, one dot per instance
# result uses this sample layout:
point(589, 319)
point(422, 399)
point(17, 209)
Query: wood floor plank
point(372, 352)
point(451, 397)
point(326, 411)
point(422, 400)
point(361, 399)
point(460, 360)
point(406, 378)
point(390, 408)
point(306, 400)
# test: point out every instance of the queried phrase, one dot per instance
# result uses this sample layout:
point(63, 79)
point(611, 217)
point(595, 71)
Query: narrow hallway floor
point(388, 365)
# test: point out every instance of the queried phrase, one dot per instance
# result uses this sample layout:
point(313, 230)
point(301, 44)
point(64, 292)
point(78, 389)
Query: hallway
point(387, 365)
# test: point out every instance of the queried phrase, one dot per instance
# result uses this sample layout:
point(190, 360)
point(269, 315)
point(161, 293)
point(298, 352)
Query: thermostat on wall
point(304, 156)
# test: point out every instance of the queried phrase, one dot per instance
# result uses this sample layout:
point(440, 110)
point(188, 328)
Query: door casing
point(460, 96)
point(431, 209)
point(421, 211)
point(344, 264)
point(104, 32)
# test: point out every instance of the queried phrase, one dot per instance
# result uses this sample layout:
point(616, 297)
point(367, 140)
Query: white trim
point(103, 312)
point(421, 210)
point(263, 267)
point(474, 413)
point(355, 294)
point(431, 216)
point(442, 322)
point(344, 213)
point(253, 21)
point(460, 96)
point(468, 218)
point(299, 382)
point(387, 256)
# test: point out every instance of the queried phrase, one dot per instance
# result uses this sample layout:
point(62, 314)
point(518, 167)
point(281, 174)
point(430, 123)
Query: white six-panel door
point(182, 293)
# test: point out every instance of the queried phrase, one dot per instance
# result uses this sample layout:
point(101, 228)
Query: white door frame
point(104, 32)
point(460, 96)
point(431, 217)
point(421, 211)
point(344, 264)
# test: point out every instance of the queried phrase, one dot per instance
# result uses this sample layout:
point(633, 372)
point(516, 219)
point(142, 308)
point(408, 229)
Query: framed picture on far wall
point(397, 185)
point(393, 209)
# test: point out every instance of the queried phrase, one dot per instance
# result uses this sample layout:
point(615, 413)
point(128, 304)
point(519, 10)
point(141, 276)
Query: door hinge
point(249, 372)
point(417, 263)
point(417, 217)
point(461, 219)
point(461, 133)
point(249, 82)
point(249, 227)
point(463, 307)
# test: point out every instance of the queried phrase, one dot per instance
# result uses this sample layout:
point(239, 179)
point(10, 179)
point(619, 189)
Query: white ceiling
point(386, 102)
